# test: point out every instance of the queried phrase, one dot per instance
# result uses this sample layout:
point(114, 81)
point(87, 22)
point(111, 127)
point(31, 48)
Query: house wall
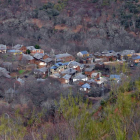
point(78, 69)
point(108, 58)
point(63, 81)
point(97, 76)
point(39, 63)
point(88, 73)
point(59, 69)
point(45, 56)
point(87, 61)
point(42, 75)
point(67, 59)
point(49, 64)
point(82, 55)
point(17, 53)
point(85, 55)
point(31, 61)
point(2, 51)
point(85, 79)
point(137, 60)
point(130, 55)
point(33, 52)
point(79, 54)
point(23, 49)
point(90, 60)
point(52, 71)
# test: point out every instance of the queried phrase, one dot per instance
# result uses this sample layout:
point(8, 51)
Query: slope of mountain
point(71, 25)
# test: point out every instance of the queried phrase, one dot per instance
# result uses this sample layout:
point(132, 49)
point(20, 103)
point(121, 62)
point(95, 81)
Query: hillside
point(74, 118)
point(71, 25)
point(75, 71)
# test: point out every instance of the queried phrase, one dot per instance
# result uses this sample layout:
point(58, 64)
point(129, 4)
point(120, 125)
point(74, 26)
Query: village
point(84, 70)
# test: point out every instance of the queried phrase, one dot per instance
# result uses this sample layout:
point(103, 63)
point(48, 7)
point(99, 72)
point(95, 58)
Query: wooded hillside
point(71, 25)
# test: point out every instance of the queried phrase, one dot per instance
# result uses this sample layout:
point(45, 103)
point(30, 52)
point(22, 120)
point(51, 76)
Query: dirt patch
point(78, 29)
point(60, 27)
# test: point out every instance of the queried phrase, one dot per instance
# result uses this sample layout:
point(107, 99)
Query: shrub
point(48, 5)
point(52, 12)
point(28, 51)
point(103, 102)
point(37, 46)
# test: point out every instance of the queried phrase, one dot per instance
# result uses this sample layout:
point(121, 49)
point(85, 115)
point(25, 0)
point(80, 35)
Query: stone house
point(79, 77)
point(14, 52)
point(58, 67)
point(41, 72)
point(86, 87)
point(23, 49)
point(65, 57)
point(35, 51)
point(136, 59)
point(65, 79)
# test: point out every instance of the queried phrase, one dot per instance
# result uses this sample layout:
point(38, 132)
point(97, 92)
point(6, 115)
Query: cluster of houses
point(84, 69)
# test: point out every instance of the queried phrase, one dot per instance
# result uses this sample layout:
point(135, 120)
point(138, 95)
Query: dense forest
point(71, 25)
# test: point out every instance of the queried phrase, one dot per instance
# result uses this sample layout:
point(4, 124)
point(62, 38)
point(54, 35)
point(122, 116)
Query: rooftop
point(91, 81)
point(17, 47)
point(80, 76)
point(115, 76)
point(72, 64)
point(97, 54)
point(136, 57)
point(27, 57)
point(38, 55)
point(67, 76)
point(30, 48)
point(58, 56)
point(44, 69)
point(91, 68)
point(61, 64)
point(14, 51)
point(53, 67)
point(126, 52)
point(86, 85)
point(47, 60)
point(84, 52)
point(69, 71)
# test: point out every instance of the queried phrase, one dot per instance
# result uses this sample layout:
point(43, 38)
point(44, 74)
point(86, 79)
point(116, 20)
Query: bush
point(37, 47)
point(28, 51)
point(52, 12)
point(48, 5)
point(103, 102)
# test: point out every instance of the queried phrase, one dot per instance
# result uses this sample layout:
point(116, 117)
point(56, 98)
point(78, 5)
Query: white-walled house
point(85, 87)
point(3, 48)
point(80, 77)
point(83, 54)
